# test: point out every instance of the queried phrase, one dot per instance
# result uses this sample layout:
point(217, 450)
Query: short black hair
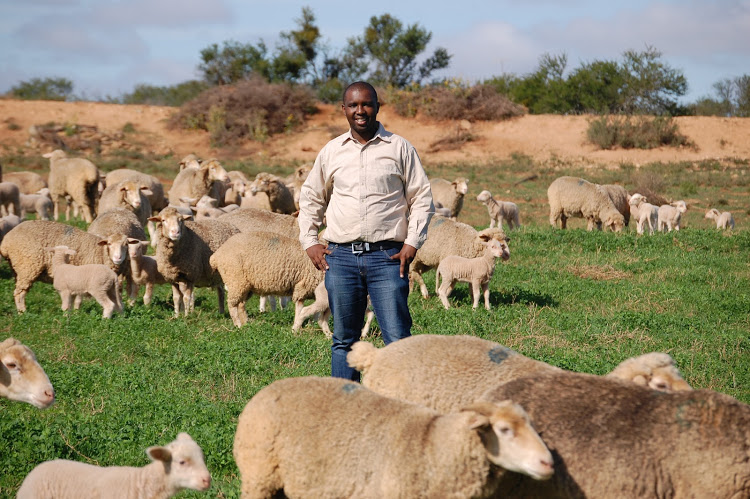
point(362, 84)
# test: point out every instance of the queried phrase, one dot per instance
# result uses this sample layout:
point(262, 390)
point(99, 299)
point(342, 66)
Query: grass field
point(582, 301)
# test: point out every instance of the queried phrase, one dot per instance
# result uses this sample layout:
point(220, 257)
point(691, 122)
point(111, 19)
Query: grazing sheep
point(24, 247)
point(449, 194)
point(7, 223)
point(130, 195)
point(27, 182)
point(644, 213)
point(614, 439)
point(182, 255)
point(39, 203)
point(76, 281)
point(155, 188)
point(670, 216)
point(143, 271)
point(448, 372)
point(619, 197)
point(446, 237)
point(74, 177)
point(22, 379)
point(723, 220)
point(575, 197)
point(196, 181)
point(10, 199)
point(280, 197)
point(267, 263)
point(329, 437)
point(176, 466)
point(476, 271)
point(500, 210)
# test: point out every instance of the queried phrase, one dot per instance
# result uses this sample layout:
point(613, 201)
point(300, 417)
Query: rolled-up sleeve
point(313, 201)
point(418, 197)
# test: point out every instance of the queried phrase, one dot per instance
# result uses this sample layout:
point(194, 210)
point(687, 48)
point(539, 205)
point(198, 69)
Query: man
point(370, 185)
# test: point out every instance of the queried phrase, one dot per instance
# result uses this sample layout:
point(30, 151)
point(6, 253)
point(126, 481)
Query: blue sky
point(107, 47)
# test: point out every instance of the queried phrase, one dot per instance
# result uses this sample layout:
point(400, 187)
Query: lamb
point(391, 448)
point(176, 466)
point(76, 177)
point(7, 223)
point(238, 183)
point(76, 281)
point(615, 439)
point(39, 203)
point(195, 182)
point(27, 182)
point(156, 197)
point(182, 254)
point(576, 197)
point(670, 216)
point(619, 197)
point(449, 194)
point(24, 247)
point(10, 199)
point(723, 220)
point(143, 270)
point(279, 196)
point(22, 379)
point(476, 271)
point(130, 195)
point(643, 212)
point(448, 372)
point(500, 210)
point(446, 237)
point(267, 263)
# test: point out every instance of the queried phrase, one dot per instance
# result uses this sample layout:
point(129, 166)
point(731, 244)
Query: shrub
point(635, 132)
point(650, 185)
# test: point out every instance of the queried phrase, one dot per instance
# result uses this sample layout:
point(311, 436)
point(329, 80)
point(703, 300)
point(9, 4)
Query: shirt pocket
point(384, 178)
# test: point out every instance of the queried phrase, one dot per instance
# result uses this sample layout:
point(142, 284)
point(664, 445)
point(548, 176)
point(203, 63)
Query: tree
point(543, 91)
point(233, 62)
point(651, 86)
point(295, 58)
point(596, 87)
point(43, 89)
point(175, 95)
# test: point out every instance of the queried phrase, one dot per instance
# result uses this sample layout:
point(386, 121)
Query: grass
point(582, 301)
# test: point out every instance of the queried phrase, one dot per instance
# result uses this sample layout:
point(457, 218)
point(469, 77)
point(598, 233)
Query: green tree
point(651, 86)
point(43, 89)
point(544, 90)
point(175, 95)
point(295, 58)
point(233, 62)
point(596, 87)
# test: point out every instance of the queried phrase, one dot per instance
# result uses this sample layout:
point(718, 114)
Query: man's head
point(360, 105)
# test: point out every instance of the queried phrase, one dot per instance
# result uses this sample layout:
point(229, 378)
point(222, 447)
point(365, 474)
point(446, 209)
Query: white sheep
point(7, 223)
point(268, 263)
point(655, 370)
point(73, 282)
point(196, 181)
point(153, 185)
point(143, 270)
point(293, 436)
point(295, 180)
point(619, 197)
point(670, 216)
point(74, 177)
point(130, 195)
point(238, 184)
point(22, 379)
point(575, 197)
point(27, 182)
point(644, 213)
point(476, 271)
point(449, 194)
point(280, 198)
point(191, 160)
point(39, 203)
point(500, 210)
point(176, 466)
point(723, 220)
point(10, 199)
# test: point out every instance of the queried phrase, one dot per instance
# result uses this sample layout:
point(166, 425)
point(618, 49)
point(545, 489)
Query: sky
point(106, 47)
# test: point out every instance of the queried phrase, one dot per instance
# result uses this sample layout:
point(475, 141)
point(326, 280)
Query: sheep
point(615, 439)
point(476, 271)
point(196, 181)
point(449, 194)
point(208, 207)
point(267, 263)
point(238, 183)
point(500, 210)
point(191, 160)
point(39, 203)
point(117, 221)
point(182, 255)
point(447, 237)
point(448, 372)
point(723, 220)
point(128, 194)
point(27, 182)
point(156, 197)
point(176, 466)
point(576, 197)
point(76, 177)
point(24, 247)
point(280, 198)
point(619, 197)
point(293, 436)
point(670, 216)
point(295, 180)
point(76, 281)
point(7, 223)
point(10, 199)
point(255, 200)
point(22, 379)
point(643, 212)
point(143, 271)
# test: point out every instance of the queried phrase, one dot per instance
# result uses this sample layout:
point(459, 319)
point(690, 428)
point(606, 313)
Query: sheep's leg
point(486, 290)
point(368, 323)
point(323, 322)
point(151, 227)
point(284, 301)
point(299, 306)
point(176, 299)
point(422, 286)
point(476, 291)
point(187, 297)
point(19, 295)
point(236, 304)
point(77, 302)
point(148, 293)
point(267, 299)
point(563, 221)
point(132, 289)
point(220, 296)
point(108, 305)
point(116, 297)
point(446, 288)
point(492, 223)
point(67, 301)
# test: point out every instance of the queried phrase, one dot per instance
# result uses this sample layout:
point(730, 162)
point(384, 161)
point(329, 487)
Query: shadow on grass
point(461, 295)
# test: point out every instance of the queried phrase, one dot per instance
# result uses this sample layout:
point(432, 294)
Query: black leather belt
point(363, 247)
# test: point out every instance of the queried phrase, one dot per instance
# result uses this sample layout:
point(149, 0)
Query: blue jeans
point(349, 279)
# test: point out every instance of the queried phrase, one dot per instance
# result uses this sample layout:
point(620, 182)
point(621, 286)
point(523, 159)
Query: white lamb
point(10, 199)
point(39, 203)
point(175, 466)
point(643, 213)
point(670, 215)
point(476, 271)
point(143, 271)
point(723, 220)
point(22, 379)
point(76, 281)
point(449, 194)
point(500, 210)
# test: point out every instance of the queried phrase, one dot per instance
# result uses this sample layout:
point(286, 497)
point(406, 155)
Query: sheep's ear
point(188, 217)
point(485, 237)
point(640, 380)
point(483, 412)
point(157, 453)
point(70, 252)
point(154, 219)
point(134, 241)
point(146, 191)
point(145, 244)
point(103, 242)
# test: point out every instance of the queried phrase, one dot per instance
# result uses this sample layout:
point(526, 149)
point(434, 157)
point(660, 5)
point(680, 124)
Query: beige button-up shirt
point(371, 192)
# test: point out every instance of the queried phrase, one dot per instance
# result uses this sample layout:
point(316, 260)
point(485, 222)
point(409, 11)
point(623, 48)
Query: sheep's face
point(636, 199)
point(117, 247)
point(131, 194)
point(22, 378)
point(615, 224)
point(461, 186)
point(484, 196)
point(712, 214)
point(680, 205)
point(216, 171)
point(184, 464)
point(136, 248)
point(499, 249)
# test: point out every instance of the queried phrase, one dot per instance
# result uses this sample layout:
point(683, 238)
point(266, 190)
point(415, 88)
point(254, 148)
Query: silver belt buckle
point(360, 247)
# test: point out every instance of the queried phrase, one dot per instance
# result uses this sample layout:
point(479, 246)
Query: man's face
point(361, 110)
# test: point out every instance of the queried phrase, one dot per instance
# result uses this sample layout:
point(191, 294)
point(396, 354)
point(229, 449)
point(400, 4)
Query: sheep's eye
point(182, 462)
point(505, 430)
point(11, 365)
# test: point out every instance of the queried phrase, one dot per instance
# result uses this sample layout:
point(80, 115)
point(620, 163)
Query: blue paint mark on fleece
point(499, 353)
point(350, 387)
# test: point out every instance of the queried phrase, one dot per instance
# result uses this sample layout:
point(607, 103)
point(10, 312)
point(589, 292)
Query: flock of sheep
point(435, 416)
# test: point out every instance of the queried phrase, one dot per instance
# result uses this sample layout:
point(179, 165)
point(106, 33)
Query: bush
point(635, 132)
point(253, 109)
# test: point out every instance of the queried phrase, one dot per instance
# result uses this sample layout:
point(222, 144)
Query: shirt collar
point(381, 134)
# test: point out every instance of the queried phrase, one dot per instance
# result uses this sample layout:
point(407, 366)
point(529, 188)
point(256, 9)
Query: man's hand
point(406, 255)
point(317, 254)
